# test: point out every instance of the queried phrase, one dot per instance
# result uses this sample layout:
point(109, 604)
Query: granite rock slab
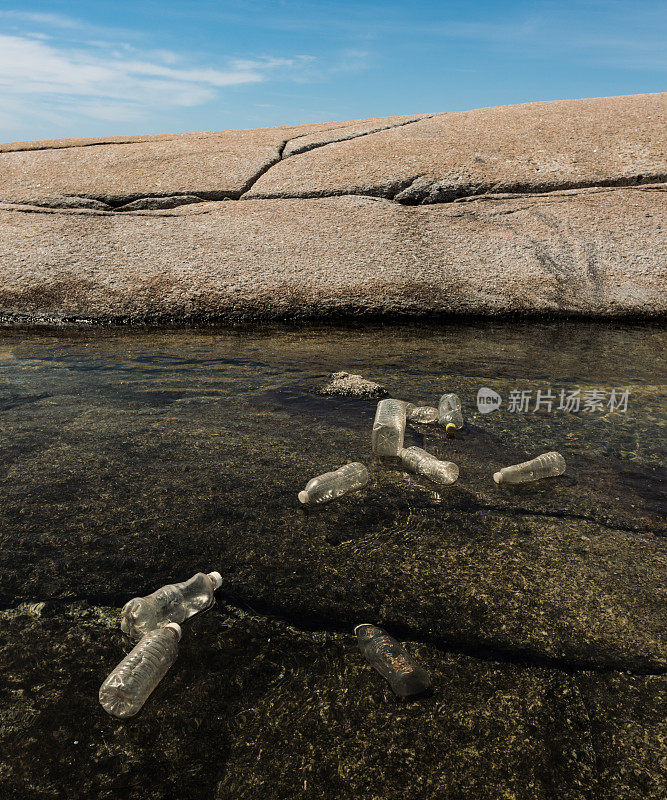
point(535, 209)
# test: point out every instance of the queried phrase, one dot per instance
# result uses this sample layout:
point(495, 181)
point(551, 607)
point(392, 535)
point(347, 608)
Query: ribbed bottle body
point(547, 465)
point(451, 414)
point(388, 428)
point(423, 463)
point(175, 602)
point(392, 661)
point(129, 685)
point(331, 485)
point(422, 415)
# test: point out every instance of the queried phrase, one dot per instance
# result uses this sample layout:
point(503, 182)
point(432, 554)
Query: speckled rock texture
point(130, 459)
point(254, 708)
point(343, 384)
point(542, 208)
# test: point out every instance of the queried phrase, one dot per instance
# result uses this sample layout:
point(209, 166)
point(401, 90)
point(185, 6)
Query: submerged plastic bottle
point(331, 485)
point(392, 661)
point(548, 465)
point(175, 602)
point(388, 428)
point(128, 686)
point(451, 416)
point(417, 460)
point(423, 415)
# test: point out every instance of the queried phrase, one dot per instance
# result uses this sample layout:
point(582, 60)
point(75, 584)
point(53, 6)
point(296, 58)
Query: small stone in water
point(345, 384)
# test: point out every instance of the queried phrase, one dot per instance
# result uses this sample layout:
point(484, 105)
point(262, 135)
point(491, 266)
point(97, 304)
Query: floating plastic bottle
point(175, 602)
point(451, 416)
point(548, 465)
point(417, 460)
point(388, 428)
point(128, 687)
point(392, 661)
point(331, 485)
point(423, 415)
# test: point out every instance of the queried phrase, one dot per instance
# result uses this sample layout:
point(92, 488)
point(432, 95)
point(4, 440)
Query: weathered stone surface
point(158, 203)
point(153, 457)
point(342, 384)
point(120, 170)
point(592, 252)
point(573, 250)
point(254, 708)
point(132, 459)
point(524, 148)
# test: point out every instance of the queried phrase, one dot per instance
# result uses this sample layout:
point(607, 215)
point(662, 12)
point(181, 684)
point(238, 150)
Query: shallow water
point(182, 438)
point(131, 459)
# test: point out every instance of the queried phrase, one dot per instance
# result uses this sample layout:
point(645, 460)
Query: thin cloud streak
point(110, 82)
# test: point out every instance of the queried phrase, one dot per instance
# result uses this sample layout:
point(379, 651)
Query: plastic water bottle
point(548, 465)
point(128, 687)
point(417, 460)
point(388, 428)
point(392, 661)
point(451, 416)
point(423, 415)
point(175, 602)
point(331, 485)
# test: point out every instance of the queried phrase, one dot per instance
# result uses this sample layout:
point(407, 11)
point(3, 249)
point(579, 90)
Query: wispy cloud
point(42, 76)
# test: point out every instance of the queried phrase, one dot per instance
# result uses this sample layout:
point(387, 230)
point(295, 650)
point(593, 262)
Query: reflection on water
point(122, 449)
point(131, 459)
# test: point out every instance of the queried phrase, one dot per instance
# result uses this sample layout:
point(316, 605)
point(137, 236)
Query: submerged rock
point(344, 384)
point(533, 610)
point(260, 709)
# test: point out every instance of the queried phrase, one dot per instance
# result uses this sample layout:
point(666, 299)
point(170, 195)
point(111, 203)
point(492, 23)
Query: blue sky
point(154, 66)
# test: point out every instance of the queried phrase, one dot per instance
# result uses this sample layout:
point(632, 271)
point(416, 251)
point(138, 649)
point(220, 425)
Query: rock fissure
point(105, 205)
point(314, 622)
point(19, 149)
point(433, 193)
point(564, 515)
point(314, 145)
point(157, 201)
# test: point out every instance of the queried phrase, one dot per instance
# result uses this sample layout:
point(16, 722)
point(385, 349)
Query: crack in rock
point(318, 622)
point(424, 191)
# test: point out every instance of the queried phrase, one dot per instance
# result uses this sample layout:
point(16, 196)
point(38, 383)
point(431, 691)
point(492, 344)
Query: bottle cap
point(176, 628)
point(498, 477)
point(304, 497)
point(216, 577)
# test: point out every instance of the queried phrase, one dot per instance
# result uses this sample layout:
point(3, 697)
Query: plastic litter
point(175, 602)
point(417, 460)
point(451, 415)
point(392, 661)
point(331, 485)
point(129, 685)
point(422, 415)
point(388, 428)
point(547, 465)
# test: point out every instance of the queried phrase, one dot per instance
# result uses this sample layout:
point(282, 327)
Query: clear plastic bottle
point(417, 460)
point(451, 415)
point(422, 415)
point(129, 685)
point(548, 465)
point(392, 661)
point(331, 485)
point(175, 602)
point(388, 428)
